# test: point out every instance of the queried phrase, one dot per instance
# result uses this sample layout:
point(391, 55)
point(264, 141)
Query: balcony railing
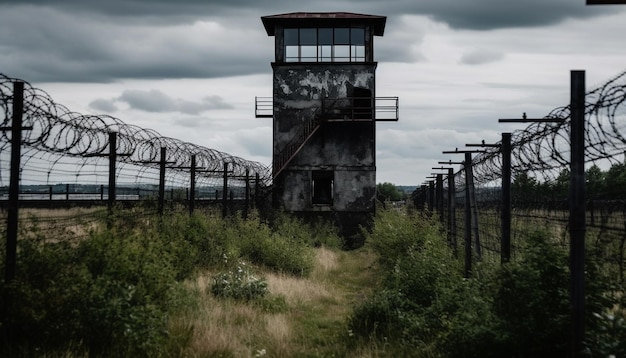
point(380, 109)
point(387, 109)
point(263, 107)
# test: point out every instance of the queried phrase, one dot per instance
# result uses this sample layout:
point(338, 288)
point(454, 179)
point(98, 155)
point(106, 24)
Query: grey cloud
point(103, 105)
point(481, 57)
point(59, 47)
point(158, 102)
point(192, 122)
point(102, 41)
point(476, 14)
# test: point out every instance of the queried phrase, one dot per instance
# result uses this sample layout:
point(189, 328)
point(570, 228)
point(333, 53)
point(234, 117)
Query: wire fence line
point(67, 156)
point(540, 171)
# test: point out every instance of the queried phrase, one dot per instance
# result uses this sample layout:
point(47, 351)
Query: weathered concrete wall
point(296, 195)
point(354, 190)
point(346, 148)
point(299, 89)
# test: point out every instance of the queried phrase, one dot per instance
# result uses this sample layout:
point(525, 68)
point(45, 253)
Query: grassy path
point(301, 317)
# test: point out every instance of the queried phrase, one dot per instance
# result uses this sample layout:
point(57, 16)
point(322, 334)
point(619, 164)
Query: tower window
point(324, 44)
point(322, 187)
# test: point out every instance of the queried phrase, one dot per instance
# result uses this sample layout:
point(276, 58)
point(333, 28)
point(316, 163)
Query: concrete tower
point(324, 112)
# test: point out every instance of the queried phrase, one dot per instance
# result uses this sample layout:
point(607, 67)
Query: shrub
point(108, 295)
point(277, 250)
point(240, 284)
point(393, 233)
point(521, 308)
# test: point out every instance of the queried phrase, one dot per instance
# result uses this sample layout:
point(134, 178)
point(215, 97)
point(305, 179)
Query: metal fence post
point(225, 192)
point(247, 198)
point(577, 210)
point(471, 190)
point(439, 199)
point(192, 185)
point(431, 196)
point(505, 245)
point(14, 182)
point(452, 210)
point(468, 215)
point(257, 190)
point(13, 206)
point(112, 163)
point(162, 181)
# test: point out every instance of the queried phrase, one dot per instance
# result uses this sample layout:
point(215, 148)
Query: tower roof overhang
point(324, 19)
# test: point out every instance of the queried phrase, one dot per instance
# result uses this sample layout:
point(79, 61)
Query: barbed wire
point(64, 143)
point(543, 148)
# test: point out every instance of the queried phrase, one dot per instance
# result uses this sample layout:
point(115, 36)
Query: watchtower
point(324, 112)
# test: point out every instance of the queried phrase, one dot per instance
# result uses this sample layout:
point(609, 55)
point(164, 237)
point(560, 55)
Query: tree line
point(600, 185)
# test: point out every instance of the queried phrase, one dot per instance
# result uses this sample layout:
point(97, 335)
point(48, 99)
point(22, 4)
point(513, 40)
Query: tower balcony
point(263, 107)
point(346, 109)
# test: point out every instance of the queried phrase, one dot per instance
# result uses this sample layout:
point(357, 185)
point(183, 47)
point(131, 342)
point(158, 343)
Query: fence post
point(505, 248)
point(473, 208)
point(257, 187)
point(13, 206)
point(247, 199)
point(67, 192)
point(162, 181)
point(468, 215)
point(577, 209)
point(452, 210)
point(225, 192)
point(439, 191)
point(112, 163)
point(192, 186)
point(431, 196)
point(50, 192)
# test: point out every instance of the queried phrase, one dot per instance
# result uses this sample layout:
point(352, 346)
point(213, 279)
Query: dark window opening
point(362, 105)
point(322, 187)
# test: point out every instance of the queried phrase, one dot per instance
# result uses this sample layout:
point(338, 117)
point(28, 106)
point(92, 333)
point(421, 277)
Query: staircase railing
point(305, 132)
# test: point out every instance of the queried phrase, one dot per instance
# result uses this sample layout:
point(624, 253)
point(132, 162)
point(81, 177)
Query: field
point(133, 284)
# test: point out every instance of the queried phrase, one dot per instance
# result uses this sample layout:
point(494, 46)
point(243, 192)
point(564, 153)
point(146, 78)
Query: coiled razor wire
point(542, 151)
point(63, 144)
point(543, 148)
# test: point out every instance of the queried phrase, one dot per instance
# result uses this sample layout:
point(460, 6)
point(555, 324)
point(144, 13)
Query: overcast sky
point(190, 69)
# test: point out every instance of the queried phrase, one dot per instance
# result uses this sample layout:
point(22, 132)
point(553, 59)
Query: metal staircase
point(305, 132)
point(351, 109)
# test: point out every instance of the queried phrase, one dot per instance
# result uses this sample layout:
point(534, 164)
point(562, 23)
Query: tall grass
point(115, 290)
point(426, 308)
point(146, 286)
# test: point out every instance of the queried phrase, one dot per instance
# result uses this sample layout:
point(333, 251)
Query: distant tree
point(559, 188)
point(524, 187)
point(615, 182)
point(389, 192)
point(595, 183)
